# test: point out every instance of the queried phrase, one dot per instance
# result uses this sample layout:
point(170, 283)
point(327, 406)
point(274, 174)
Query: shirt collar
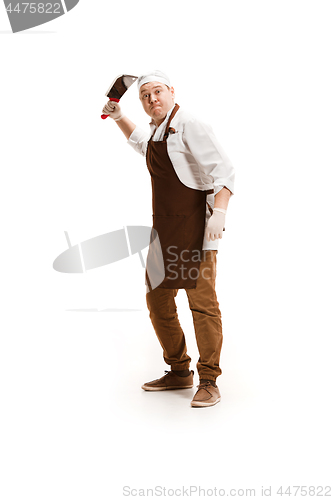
point(153, 125)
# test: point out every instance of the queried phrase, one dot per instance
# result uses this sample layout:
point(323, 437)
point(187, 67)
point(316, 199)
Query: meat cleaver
point(118, 88)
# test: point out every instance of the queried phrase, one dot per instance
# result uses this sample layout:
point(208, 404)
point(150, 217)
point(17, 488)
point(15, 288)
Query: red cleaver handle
point(111, 99)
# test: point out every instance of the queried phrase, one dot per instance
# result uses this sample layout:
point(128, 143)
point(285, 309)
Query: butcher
point(192, 181)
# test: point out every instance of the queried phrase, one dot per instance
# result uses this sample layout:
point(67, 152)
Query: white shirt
point(197, 157)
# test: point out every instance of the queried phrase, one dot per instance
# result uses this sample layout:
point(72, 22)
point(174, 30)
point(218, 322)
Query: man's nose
point(153, 98)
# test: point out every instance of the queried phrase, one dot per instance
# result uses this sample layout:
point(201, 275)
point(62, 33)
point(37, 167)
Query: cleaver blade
point(118, 88)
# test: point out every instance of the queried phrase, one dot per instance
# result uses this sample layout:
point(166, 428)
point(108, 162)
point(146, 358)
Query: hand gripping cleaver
point(118, 88)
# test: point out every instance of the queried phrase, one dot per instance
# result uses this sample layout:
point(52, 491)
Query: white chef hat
point(154, 76)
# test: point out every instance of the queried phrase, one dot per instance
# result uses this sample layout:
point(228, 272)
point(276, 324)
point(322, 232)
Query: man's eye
point(158, 91)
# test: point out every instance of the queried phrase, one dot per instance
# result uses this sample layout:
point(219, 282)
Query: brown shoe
point(169, 381)
point(206, 395)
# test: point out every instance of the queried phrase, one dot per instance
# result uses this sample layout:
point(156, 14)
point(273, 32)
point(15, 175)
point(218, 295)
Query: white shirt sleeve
point(139, 141)
point(209, 155)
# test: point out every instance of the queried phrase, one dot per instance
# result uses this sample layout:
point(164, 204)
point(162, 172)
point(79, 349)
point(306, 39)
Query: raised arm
point(113, 109)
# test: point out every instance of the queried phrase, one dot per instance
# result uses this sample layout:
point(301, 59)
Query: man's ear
point(172, 90)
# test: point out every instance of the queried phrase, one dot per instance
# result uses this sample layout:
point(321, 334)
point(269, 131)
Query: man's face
point(157, 99)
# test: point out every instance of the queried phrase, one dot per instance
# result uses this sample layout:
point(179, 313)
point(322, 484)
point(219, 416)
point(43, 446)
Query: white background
point(75, 423)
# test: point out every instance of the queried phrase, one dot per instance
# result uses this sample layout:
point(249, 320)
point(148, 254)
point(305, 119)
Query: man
point(192, 181)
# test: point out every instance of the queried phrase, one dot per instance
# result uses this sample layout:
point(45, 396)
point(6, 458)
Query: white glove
point(215, 225)
point(113, 109)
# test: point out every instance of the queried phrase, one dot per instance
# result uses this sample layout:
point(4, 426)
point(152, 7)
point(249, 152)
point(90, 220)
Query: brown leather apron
point(178, 217)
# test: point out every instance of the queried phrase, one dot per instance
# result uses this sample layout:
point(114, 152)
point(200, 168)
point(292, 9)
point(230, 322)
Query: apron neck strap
point(174, 111)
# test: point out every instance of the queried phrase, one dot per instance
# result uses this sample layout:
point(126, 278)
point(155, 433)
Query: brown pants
point(206, 319)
